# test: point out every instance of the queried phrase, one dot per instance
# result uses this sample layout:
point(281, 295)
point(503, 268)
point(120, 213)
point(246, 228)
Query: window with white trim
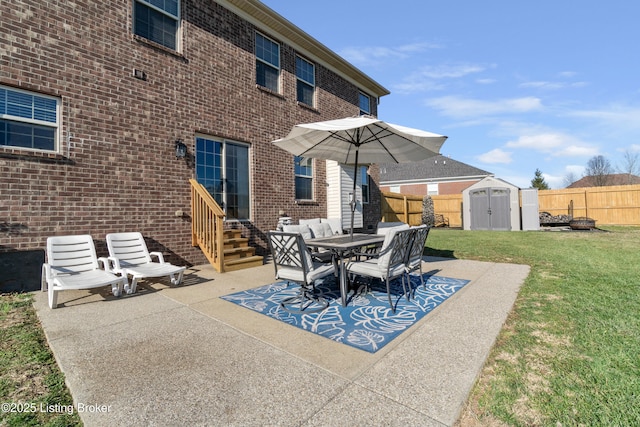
point(158, 21)
point(267, 63)
point(306, 81)
point(28, 120)
point(304, 178)
point(365, 104)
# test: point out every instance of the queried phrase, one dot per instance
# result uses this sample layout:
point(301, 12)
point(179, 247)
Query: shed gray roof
point(434, 168)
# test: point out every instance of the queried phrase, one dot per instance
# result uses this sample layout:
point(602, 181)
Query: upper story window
point(267, 63)
point(28, 120)
point(306, 80)
point(304, 178)
point(158, 21)
point(365, 104)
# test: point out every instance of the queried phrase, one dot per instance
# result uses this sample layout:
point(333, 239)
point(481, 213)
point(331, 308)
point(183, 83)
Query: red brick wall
point(455, 187)
point(121, 174)
point(443, 188)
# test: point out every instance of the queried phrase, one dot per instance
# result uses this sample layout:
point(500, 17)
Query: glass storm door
point(222, 167)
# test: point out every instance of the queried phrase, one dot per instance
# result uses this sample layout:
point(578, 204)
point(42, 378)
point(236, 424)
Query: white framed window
point(158, 21)
point(365, 104)
point(267, 63)
point(305, 81)
point(364, 183)
point(222, 167)
point(29, 120)
point(303, 169)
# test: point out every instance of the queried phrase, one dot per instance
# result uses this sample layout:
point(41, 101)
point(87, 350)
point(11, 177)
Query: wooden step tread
point(248, 262)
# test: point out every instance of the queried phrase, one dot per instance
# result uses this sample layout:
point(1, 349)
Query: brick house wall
point(116, 170)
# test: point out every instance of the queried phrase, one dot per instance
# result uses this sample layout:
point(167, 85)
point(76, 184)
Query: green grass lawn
point(569, 353)
point(31, 384)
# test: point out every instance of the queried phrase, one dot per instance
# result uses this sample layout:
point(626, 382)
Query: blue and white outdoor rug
point(367, 322)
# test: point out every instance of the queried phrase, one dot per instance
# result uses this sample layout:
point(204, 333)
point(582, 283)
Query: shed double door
point(490, 209)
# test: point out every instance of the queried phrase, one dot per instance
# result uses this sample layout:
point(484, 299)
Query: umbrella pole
point(353, 199)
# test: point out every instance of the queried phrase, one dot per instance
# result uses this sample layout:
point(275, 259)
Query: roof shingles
point(437, 167)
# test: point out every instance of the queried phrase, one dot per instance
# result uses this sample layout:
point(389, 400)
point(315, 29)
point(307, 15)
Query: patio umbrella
point(356, 140)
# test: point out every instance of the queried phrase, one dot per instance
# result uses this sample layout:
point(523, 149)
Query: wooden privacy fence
point(611, 205)
point(408, 208)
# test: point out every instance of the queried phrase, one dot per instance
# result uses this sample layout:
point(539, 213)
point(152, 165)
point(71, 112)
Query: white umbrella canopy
point(356, 140)
point(361, 140)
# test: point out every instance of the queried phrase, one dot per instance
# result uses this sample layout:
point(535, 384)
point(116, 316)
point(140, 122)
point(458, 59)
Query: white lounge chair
point(129, 256)
point(72, 264)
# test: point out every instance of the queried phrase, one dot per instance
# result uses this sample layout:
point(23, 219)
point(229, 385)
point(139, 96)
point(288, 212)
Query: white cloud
point(373, 55)
point(552, 85)
point(485, 81)
point(465, 107)
point(542, 142)
point(417, 85)
point(615, 116)
point(495, 156)
point(560, 181)
point(553, 181)
point(543, 85)
point(431, 77)
point(555, 144)
point(449, 71)
point(577, 151)
point(577, 170)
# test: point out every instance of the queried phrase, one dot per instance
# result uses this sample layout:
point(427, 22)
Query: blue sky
point(516, 86)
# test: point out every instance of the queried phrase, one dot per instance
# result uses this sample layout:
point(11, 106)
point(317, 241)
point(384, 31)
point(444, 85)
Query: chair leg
point(393, 309)
point(180, 277)
point(305, 300)
point(132, 286)
point(424, 285)
point(407, 293)
point(176, 281)
point(116, 289)
point(53, 297)
point(44, 284)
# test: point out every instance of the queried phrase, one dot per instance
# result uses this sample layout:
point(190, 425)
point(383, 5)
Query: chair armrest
point(361, 256)
point(158, 255)
point(112, 264)
point(368, 252)
point(103, 263)
point(46, 276)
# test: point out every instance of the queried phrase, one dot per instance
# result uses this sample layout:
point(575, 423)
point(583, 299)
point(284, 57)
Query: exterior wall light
point(181, 149)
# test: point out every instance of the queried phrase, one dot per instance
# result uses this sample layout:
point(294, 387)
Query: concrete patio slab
point(181, 355)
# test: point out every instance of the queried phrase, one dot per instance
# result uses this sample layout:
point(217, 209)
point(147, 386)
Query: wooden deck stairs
point(237, 252)
point(225, 248)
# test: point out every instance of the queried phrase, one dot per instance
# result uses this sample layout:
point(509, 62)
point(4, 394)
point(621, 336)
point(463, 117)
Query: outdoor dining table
point(342, 246)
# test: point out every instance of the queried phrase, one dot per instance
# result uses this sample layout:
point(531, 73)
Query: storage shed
point(491, 204)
